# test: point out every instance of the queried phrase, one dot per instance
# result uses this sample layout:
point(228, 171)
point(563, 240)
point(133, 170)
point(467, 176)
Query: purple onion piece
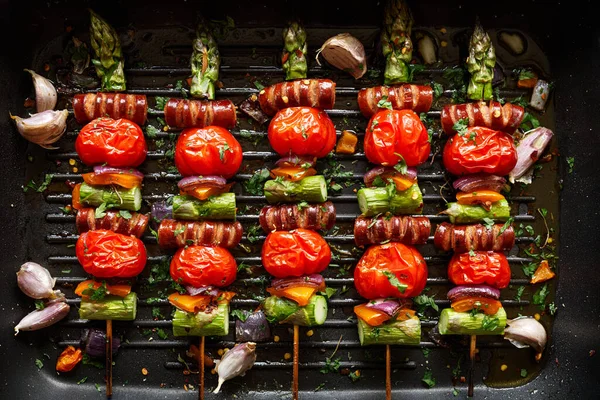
point(411, 173)
point(463, 291)
point(202, 291)
point(297, 160)
point(314, 280)
point(103, 169)
point(474, 182)
point(94, 342)
point(254, 329)
point(161, 210)
point(529, 149)
point(190, 182)
point(388, 306)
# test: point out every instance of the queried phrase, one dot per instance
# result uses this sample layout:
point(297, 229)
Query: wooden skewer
point(472, 348)
point(201, 366)
point(296, 355)
point(388, 373)
point(109, 341)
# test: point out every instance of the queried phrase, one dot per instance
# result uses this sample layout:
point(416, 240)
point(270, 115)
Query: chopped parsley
point(254, 185)
point(82, 380)
point(394, 281)
point(152, 132)
point(490, 323)
point(100, 211)
point(539, 297)
point(87, 360)
point(505, 226)
point(414, 69)
point(96, 294)
point(259, 85)
point(39, 363)
point(520, 291)
point(161, 102)
point(461, 126)
point(552, 308)
point(179, 231)
point(329, 292)
point(331, 365)
point(438, 89)
point(499, 99)
point(125, 214)
point(354, 376)
point(488, 223)
point(523, 372)
point(423, 301)
point(242, 315)
point(529, 122)
point(384, 103)
point(401, 165)
point(39, 305)
point(529, 269)
point(571, 163)
point(222, 151)
point(46, 183)
point(253, 233)
point(161, 333)
point(302, 205)
point(428, 379)
point(321, 386)
point(471, 253)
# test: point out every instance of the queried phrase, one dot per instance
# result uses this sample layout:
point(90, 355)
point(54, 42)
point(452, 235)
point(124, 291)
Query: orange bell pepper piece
point(293, 174)
point(488, 306)
point(542, 273)
point(127, 181)
point(370, 316)
point(402, 183)
point(68, 359)
point(76, 203)
point(299, 294)
point(115, 290)
point(225, 297)
point(204, 192)
point(485, 197)
point(347, 143)
point(189, 303)
point(405, 314)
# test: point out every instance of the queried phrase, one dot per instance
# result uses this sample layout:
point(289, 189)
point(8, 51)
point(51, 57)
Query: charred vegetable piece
point(235, 362)
point(217, 207)
point(68, 359)
point(109, 307)
point(466, 214)
point(312, 189)
point(205, 64)
point(111, 197)
point(94, 342)
point(210, 322)
point(293, 58)
point(255, 328)
point(466, 323)
point(406, 332)
point(377, 200)
point(284, 311)
point(347, 143)
point(480, 63)
point(108, 58)
point(396, 42)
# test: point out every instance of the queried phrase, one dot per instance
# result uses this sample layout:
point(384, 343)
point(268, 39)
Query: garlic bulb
point(43, 128)
point(45, 94)
point(345, 52)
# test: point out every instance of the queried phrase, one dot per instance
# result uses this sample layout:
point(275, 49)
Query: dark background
point(568, 33)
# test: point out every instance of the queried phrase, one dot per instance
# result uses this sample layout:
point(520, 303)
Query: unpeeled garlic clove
point(45, 93)
point(38, 319)
point(427, 49)
point(235, 362)
point(43, 128)
point(345, 52)
point(526, 331)
point(36, 282)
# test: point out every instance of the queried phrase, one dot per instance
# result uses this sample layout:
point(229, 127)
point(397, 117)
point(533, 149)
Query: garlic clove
point(235, 362)
point(427, 49)
point(526, 331)
point(345, 52)
point(43, 128)
point(43, 318)
point(45, 93)
point(35, 281)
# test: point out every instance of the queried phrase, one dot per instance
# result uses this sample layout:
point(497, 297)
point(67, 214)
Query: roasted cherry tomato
point(208, 151)
point(68, 359)
point(115, 142)
point(395, 134)
point(479, 267)
point(480, 150)
point(302, 131)
point(295, 253)
point(200, 266)
point(390, 270)
point(106, 254)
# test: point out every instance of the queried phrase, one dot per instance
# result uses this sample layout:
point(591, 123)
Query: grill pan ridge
point(48, 236)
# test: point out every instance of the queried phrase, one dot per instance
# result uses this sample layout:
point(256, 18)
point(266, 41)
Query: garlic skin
point(345, 52)
point(235, 362)
point(526, 331)
point(427, 49)
point(43, 128)
point(39, 319)
point(36, 282)
point(45, 93)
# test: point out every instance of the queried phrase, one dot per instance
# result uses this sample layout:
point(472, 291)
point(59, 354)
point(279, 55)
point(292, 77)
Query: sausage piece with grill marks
point(317, 93)
point(183, 113)
point(404, 97)
point(87, 107)
point(287, 217)
point(406, 230)
point(174, 234)
point(86, 221)
point(493, 115)
point(463, 238)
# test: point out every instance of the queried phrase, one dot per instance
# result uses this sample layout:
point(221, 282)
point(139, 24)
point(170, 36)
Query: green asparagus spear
point(108, 58)
point(480, 63)
point(205, 64)
point(294, 52)
point(395, 39)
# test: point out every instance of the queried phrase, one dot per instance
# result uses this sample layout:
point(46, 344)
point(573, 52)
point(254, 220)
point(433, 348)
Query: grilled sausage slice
point(317, 93)
point(293, 216)
point(493, 115)
point(463, 238)
point(86, 221)
point(87, 107)
point(406, 230)
point(183, 113)
point(404, 97)
point(173, 234)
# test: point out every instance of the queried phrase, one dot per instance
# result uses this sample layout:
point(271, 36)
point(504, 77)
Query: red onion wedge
point(529, 150)
point(103, 170)
point(254, 329)
point(388, 306)
point(293, 161)
point(94, 342)
point(314, 280)
point(192, 182)
point(475, 182)
point(463, 291)
point(161, 210)
point(202, 291)
point(411, 173)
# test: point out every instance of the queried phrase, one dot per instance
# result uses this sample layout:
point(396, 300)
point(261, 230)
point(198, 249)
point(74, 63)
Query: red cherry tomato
point(393, 132)
point(200, 266)
point(378, 269)
point(295, 253)
point(302, 131)
point(115, 142)
point(106, 254)
point(480, 150)
point(208, 151)
point(483, 267)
